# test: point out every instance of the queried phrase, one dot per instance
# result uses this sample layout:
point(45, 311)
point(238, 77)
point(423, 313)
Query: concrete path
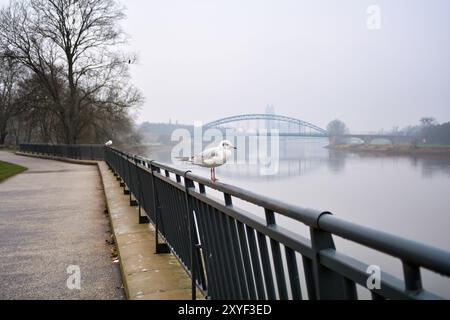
point(52, 217)
point(147, 276)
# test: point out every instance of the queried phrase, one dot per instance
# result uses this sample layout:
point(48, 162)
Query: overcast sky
point(315, 60)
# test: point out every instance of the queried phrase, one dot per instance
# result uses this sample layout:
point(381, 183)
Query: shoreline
point(393, 150)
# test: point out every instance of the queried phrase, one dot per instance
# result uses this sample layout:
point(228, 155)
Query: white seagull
point(212, 158)
point(109, 143)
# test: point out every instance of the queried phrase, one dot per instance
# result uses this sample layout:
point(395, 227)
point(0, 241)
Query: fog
point(201, 60)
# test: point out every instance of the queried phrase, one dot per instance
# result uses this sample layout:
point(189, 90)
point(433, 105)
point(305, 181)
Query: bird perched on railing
point(109, 143)
point(212, 158)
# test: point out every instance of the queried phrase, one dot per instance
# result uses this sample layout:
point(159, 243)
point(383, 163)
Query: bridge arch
point(270, 117)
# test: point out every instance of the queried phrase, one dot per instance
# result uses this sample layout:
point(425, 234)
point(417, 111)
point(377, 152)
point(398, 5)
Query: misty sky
point(314, 60)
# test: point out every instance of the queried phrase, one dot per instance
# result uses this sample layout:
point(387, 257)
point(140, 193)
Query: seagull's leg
point(212, 178)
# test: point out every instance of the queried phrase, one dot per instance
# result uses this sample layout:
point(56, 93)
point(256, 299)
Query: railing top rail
point(407, 250)
point(61, 145)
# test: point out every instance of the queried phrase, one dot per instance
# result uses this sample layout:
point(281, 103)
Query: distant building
point(270, 110)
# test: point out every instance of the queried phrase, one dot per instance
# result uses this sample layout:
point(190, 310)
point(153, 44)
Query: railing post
point(160, 248)
point(413, 278)
point(189, 184)
point(142, 219)
point(328, 284)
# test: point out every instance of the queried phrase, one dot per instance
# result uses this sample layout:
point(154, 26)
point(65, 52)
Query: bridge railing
point(231, 253)
point(78, 152)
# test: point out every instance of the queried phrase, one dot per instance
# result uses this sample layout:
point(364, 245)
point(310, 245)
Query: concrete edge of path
point(145, 275)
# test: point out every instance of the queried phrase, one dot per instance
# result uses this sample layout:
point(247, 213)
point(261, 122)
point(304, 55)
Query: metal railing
point(233, 254)
point(78, 152)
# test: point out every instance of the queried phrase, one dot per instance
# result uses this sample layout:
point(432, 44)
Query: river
point(404, 195)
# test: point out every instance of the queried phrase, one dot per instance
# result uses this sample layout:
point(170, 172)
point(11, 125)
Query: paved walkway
point(147, 276)
point(52, 217)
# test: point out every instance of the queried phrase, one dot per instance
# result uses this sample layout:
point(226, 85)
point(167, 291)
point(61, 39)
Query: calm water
point(404, 195)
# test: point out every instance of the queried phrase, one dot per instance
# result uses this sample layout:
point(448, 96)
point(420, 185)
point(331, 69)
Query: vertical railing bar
point(238, 259)
point(176, 208)
point(188, 183)
point(202, 240)
point(235, 251)
point(184, 233)
point(256, 264)
point(279, 269)
point(268, 275)
point(218, 252)
point(200, 261)
point(350, 289)
point(294, 277)
point(220, 223)
point(309, 277)
point(159, 248)
point(215, 219)
point(213, 251)
point(168, 212)
point(246, 259)
point(277, 258)
point(213, 257)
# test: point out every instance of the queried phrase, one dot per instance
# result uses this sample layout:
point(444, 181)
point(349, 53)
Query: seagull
point(109, 143)
point(212, 158)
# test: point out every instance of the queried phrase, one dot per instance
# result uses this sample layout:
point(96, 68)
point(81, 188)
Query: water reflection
point(303, 156)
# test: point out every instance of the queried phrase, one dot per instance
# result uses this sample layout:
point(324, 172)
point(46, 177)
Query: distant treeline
point(160, 132)
point(437, 134)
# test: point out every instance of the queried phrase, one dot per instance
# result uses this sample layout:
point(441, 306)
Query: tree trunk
point(3, 133)
point(2, 138)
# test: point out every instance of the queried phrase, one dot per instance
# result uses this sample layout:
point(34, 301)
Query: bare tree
point(10, 75)
point(71, 46)
point(428, 122)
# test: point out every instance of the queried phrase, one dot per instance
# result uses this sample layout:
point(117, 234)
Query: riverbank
point(393, 150)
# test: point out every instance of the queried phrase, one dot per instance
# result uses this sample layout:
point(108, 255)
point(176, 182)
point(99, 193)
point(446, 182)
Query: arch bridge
point(314, 130)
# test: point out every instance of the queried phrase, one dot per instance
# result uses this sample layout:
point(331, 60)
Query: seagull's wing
point(207, 157)
point(198, 159)
point(207, 154)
